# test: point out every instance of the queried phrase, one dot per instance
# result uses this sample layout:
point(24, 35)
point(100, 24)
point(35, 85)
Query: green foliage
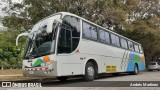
point(9, 55)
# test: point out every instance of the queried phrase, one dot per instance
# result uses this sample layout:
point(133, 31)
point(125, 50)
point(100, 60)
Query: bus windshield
point(40, 43)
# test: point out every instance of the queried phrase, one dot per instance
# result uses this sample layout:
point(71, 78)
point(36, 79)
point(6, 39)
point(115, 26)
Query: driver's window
point(69, 34)
point(64, 45)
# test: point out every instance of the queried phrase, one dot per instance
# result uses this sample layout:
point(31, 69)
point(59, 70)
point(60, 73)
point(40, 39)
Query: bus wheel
point(136, 70)
point(63, 78)
point(115, 74)
point(89, 72)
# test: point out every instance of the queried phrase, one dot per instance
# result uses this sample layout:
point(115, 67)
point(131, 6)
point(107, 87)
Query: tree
point(9, 55)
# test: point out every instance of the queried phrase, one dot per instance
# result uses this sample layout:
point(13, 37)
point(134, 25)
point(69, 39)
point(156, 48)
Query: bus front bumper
point(34, 72)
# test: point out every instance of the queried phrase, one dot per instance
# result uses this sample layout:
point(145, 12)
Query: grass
point(10, 71)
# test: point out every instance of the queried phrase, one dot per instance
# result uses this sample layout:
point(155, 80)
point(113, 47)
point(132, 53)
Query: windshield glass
point(40, 42)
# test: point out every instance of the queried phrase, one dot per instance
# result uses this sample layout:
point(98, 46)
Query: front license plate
point(31, 72)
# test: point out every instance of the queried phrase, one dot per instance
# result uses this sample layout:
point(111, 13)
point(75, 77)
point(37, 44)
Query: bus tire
point(62, 78)
point(115, 74)
point(149, 70)
point(90, 72)
point(136, 70)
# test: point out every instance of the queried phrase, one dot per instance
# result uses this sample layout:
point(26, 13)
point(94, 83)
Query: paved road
point(109, 80)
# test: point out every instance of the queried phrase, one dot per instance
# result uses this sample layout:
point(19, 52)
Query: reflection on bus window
point(136, 47)
point(124, 43)
point(140, 49)
point(115, 40)
point(130, 45)
point(89, 31)
point(104, 36)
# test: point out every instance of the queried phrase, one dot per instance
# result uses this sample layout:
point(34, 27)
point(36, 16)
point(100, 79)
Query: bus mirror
point(22, 34)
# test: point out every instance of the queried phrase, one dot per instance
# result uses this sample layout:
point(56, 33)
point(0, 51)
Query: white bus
point(65, 44)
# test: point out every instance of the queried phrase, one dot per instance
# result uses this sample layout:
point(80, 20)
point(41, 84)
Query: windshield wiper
point(30, 55)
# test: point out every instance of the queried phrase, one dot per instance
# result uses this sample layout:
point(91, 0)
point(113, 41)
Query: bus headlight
point(51, 62)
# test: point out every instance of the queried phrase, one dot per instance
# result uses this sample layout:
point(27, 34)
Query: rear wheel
point(62, 78)
point(115, 74)
point(136, 70)
point(89, 72)
point(149, 70)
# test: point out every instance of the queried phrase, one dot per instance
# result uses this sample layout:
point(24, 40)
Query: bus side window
point(115, 40)
point(140, 49)
point(89, 31)
point(104, 36)
point(136, 47)
point(130, 45)
point(124, 43)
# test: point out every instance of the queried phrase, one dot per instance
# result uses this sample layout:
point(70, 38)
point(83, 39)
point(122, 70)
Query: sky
point(3, 5)
point(17, 1)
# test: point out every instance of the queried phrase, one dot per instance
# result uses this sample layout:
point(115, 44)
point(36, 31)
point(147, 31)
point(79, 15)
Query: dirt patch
point(15, 75)
point(10, 71)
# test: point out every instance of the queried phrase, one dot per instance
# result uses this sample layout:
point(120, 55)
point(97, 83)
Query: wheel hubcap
point(136, 71)
point(90, 71)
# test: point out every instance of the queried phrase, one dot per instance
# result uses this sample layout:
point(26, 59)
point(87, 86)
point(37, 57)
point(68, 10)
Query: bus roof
point(67, 13)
